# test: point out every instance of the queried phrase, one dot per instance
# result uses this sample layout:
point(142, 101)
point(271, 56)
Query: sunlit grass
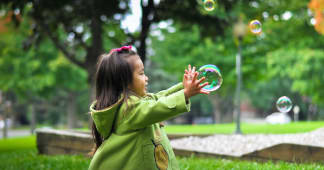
point(298, 127)
point(28, 159)
point(194, 163)
point(18, 143)
point(21, 153)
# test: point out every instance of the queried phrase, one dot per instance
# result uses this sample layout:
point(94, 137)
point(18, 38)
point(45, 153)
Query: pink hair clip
point(128, 47)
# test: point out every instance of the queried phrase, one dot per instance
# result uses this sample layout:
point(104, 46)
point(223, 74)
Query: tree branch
point(78, 36)
point(59, 45)
point(145, 26)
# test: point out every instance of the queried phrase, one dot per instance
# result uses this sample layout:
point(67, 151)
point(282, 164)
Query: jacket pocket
point(161, 157)
point(155, 157)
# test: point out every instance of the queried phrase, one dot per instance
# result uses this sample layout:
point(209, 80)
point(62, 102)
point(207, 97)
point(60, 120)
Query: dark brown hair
point(114, 74)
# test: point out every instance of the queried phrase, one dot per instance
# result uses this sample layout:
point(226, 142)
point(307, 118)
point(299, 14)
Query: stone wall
point(54, 142)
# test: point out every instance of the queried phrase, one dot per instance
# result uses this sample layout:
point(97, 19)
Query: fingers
point(195, 76)
point(203, 85)
point(185, 76)
point(201, 80)
point(189, 68)
point(194, 68)
point(204, 92)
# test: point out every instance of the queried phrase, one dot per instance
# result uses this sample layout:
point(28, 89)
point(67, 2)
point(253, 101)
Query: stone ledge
point(290, 152)
point(280, 152)
point(53, 142)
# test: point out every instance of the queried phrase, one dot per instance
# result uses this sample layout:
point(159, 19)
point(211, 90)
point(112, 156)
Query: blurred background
point(49, 50)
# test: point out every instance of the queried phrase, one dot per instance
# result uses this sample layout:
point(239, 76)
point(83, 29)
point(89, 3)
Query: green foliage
point(187, 47)
point(303, 66)
point(40, 74)
point(284, 60)
point(23, 71)
point(39, 71)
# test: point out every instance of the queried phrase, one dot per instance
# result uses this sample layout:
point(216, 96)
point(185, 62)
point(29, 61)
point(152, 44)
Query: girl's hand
point(191, 85)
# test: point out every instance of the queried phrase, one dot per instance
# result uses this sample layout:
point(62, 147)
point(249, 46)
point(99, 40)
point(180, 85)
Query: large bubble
point(213, 77)
point(209, 5)
point(255, 27)
point(284, 104)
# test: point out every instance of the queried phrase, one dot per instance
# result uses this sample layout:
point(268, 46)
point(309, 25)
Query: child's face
point(140, 81)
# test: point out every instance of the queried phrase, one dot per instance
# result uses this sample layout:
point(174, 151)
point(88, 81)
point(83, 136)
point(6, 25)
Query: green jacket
point(137, 141)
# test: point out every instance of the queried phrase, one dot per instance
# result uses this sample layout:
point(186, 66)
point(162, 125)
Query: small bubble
point(212, 75)
point(255, 27)
point(284, 104)
point(209, 5)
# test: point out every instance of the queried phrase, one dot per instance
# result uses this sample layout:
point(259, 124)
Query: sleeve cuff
point(178, 99)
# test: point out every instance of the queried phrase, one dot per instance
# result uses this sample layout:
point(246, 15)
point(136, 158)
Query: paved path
point(238, 145)
point(15, 133)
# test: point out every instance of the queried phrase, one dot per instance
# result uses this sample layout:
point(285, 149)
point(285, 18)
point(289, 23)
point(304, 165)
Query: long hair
point(113, 76)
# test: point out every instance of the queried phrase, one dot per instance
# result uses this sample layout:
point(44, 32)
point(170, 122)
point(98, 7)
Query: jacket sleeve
point(170, 90)
point(150, 110)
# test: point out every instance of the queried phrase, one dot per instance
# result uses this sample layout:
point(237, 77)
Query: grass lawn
point(21, 154)
point(246, 128)
point(28, 159)
point(298, 127)
point(19, 143)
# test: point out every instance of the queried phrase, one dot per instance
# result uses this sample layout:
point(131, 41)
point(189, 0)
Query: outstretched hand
point(191, 84)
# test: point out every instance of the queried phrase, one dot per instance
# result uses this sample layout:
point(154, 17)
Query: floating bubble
point(212, 75)
point(255, 26)
point(284, 104)
point(209, 5)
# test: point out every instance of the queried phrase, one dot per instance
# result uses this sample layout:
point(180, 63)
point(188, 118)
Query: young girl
point(127, 130)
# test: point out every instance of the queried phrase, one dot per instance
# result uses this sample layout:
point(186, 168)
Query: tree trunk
point(71, 109)
point(5, 127)
point(92, 91)
point(31, 110)
point(227, 109)
point(217, 116)
point(146, 22)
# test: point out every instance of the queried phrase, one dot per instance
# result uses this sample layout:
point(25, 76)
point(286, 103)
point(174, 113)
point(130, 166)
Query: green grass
point(19, 143)
point(21, 154)
point(194, 163)
point(28, 159)
point(298, 127)
point(229, 128)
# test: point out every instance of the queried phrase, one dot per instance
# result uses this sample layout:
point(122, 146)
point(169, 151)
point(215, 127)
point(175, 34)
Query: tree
point(85, 23)
point(77, 28)
point(286, 42)
point(38, 74)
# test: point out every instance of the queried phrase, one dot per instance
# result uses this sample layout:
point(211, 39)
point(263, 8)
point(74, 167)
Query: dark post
point(238, 87)
point(239, 32)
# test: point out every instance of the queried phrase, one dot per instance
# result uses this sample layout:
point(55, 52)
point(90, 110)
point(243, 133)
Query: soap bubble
point(255, 26)
point(209, 5)
point(212, 75)
point(284, 104)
